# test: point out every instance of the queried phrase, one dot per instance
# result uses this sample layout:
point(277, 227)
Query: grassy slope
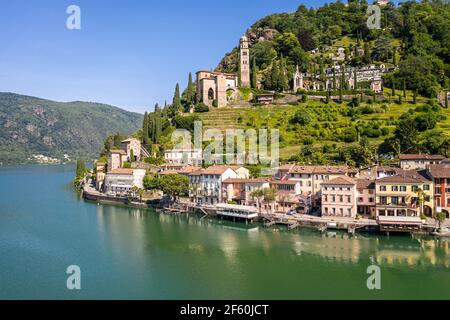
point(329, 122)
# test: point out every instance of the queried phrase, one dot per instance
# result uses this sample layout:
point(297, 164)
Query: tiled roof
point(406, 177)
point(365, 184)
point(118, 151)
point(219, 169)
point(320, 169)
point(439, 170)
point(122, 171)
point(340, 181)
point(420, 157)
point(256, 180)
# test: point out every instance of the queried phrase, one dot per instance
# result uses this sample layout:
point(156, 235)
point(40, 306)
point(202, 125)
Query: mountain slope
point(30, 125)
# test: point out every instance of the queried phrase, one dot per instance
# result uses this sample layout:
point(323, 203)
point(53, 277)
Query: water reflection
point(231, 238)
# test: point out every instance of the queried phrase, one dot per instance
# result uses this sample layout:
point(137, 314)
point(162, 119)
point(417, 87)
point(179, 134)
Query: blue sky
point(127, 53)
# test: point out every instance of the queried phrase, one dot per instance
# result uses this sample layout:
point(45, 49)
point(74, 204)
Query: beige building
point(132, 146)
point(366, 197)
point(398, 196)
point(244, 62)
point(418, 161)
point(121, 181)
point(116, 158)
point(339, 197)
point(219, 89)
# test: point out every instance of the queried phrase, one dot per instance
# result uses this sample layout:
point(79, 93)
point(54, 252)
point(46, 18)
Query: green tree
point(174, 185)
point(254, 74)
point(176, 103)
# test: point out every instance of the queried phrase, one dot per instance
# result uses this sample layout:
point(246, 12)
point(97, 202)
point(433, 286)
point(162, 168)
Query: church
point(218, 89)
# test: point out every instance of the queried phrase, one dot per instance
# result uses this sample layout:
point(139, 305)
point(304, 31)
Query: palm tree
point(440, 218)
point(270, 195)
point(421, 195)
point(257, 194)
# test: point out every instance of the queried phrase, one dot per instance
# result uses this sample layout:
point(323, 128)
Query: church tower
point(245, 62)
point(298, 80)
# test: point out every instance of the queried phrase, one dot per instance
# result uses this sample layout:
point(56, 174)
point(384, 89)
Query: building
point(116, 158)
point(311, 178)
point(339, 197)
point(266, 98)
point(440, 175)
point(184, 156)
point(365, 193)
point(100, 172)
point(244, 62)
point(418, 161)
point(121, 181)
point(298, 80)
point(206, 184)
point(218, 88)
point(132, 148)
point(240, 190)
point(401, 195)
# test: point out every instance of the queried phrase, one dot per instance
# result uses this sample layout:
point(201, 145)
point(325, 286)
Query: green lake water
point(128, 253)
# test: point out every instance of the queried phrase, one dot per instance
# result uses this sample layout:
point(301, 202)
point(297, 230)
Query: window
point(349, 199)
point(403, 188)
point(394, 188)
point(325, 197)
point(426, 187)
point(394, 200)
point(370, 199)
point(448, 201)
point(383, 200)
point(382, 188)
point(349, 212)
point(341, 211)
point(334, 211)
point(326, 210)
point(333, 198)
point(211, 94)
point(341, 198)
point(414, 188)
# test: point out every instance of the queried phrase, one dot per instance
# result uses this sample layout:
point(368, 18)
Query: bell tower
point(245, 62)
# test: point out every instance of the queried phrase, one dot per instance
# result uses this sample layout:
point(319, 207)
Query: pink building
point(339, 197)
point(133, 149)
point(366, 197)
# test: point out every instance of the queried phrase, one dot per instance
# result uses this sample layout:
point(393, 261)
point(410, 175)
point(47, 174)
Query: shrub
point(201, 107)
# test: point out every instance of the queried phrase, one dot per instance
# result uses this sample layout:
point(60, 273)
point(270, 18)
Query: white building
point(121, 181)
point(184, 156)
point(207, 183)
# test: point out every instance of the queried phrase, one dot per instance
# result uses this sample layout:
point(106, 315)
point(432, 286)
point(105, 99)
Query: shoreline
point(321, 224)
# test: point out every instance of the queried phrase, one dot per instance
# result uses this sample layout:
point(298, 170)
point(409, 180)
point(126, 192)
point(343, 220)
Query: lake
point(128, 253)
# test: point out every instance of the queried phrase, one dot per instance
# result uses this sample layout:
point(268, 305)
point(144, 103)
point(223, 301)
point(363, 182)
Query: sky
point(129, 54)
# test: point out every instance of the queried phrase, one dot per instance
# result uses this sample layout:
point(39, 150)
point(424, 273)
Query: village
point(411, 197)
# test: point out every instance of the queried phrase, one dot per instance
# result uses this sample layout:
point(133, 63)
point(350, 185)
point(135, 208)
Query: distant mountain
point(30, 126)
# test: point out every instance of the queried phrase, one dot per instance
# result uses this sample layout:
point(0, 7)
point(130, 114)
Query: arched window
point(211, 94)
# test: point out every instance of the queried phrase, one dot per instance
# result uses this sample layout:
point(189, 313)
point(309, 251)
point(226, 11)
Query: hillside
point(30, 125)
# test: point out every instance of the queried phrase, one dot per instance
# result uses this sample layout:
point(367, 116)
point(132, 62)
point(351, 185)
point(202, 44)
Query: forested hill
point(415, 36)
point(30, 125)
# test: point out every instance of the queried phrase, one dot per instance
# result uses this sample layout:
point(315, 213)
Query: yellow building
point(404, 195)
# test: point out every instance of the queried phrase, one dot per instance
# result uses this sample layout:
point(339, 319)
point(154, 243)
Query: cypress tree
point(340, 89)
point(145, 137)
point(284, 83)
point(334, 79)
point(355, 75)
point(415, 96)
point(254, 74)
point(190, 91)
point(393, 88)
point(176, 104)
point(404, 88)
point(158, 124)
